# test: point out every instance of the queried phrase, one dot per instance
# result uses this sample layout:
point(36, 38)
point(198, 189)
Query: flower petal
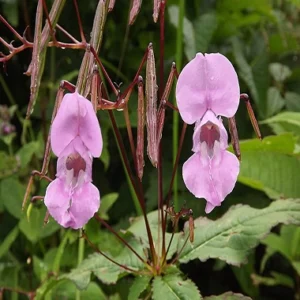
point(222, 85)
point(89, 128)
point(191, 90)
point(57, 200)
point(209, 117)
point(65, 125)
point(85, 203)
point(211, 179)
point(75, 146)
point(71, 210)
point(76, 117)
point(207, 82)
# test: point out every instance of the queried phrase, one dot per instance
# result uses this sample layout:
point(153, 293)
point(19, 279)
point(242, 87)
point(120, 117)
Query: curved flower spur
point(208, 89)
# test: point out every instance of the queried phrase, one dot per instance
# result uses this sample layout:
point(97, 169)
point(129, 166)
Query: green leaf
point(174, 287)
point(287, 243)
point(139, 285)
point(188, 31)
point(233, 236)
point(243, 275)
point(94, 263)
point(8, 165)
point(204, 26)
point(34, 228)
point(27, 151)
point(292, 101)
point(228, 296)
point(106, 203)
point(254, 74)
point(245, 71)
point(11, 194)
point(9, 239)
point(285, 122)
point(270, 166)
point(138, 229)
point(10, 10)
point(279, 72)
point(67, 290)
point(105, 270)
point(274, 102)
point(276, 279)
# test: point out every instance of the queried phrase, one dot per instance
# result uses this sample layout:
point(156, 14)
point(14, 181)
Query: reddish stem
point(79, 22)
point(119, 237)
point(52, 32)
point(106, 256)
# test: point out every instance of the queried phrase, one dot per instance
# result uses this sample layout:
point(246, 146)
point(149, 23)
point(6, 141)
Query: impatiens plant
point(156, 242)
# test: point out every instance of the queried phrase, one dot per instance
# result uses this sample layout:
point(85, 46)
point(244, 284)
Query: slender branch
point(160, 91)
point(174, 172)
point(179, 252)
point(52, 32)
point(67, 34)
point(79, 22)
point(171, 240)
point(136, 77)
point(11, 29)
point(106, 256)
point(138, 191)
point(119, 237)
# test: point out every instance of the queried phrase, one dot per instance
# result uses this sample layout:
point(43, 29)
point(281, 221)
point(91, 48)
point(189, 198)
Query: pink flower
point(208, 88)
point(76, 138)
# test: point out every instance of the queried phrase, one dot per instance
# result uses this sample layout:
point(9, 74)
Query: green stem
point(80, 257)
point(179, 42)
point(136, 202)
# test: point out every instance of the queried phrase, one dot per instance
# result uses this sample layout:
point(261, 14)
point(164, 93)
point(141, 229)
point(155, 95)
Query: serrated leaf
point(285, 122)
point(138, 229)
point(228, 296)
point(234, 235)
point(67, 290)
point(270, 166)
point(105, 270)
point(140, 283)
point(173, 287)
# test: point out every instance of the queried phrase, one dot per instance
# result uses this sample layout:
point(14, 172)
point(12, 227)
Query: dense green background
point(260, 37)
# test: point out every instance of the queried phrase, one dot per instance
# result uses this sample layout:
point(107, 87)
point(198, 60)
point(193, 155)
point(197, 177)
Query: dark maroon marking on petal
point(209, 133)
point(75, 162)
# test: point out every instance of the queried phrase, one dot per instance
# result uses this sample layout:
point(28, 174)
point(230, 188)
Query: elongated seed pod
point(156, 8)
point(151, 107)
point(135, 9)
point(111, 5)
point(140, 130)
